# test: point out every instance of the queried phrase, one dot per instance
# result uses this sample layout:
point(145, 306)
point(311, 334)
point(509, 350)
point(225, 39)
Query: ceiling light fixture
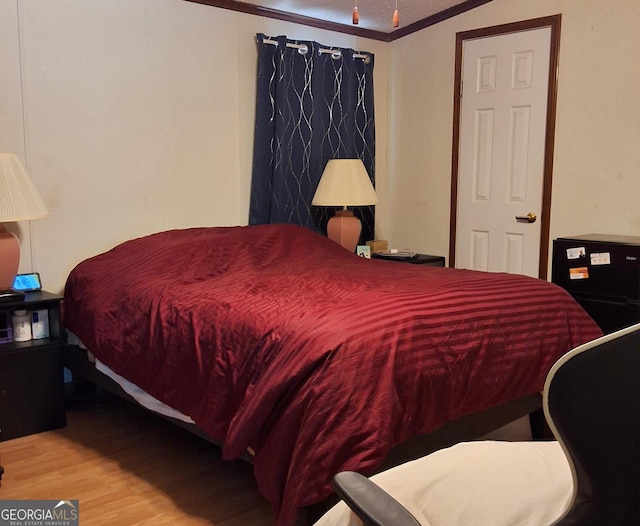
point(355, 15)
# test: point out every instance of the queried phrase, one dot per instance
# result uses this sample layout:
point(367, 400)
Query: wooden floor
point(128, 467)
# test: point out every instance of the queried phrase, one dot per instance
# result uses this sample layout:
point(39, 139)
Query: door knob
point(529, 218)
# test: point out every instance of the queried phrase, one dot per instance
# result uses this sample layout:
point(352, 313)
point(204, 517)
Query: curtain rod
point(303, 49)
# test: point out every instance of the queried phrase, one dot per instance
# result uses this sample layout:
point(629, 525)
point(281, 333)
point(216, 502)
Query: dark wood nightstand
point(426, 259)
point(31, 375)
point(418, 259)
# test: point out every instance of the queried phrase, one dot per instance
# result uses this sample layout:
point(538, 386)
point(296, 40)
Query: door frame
point(552, 22)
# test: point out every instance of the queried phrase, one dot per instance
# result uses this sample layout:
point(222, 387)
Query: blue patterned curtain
point(314, 103)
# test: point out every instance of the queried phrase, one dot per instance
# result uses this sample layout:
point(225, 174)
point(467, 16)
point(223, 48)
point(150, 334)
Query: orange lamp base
point(9, 258)
point(344, 228)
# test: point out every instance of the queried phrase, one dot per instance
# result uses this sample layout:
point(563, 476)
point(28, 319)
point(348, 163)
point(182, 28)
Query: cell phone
point(27, 282)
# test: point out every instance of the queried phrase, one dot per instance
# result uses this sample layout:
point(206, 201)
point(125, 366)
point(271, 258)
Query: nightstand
point(418, 259)
point(426, 259)
point(31, 375)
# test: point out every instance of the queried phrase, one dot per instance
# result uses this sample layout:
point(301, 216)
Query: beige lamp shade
point(345, 182)
point(19, 201)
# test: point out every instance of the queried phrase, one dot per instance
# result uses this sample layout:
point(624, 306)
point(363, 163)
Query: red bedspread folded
point(275, 338)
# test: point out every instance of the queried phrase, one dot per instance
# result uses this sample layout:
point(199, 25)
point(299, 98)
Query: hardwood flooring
point(128, 467)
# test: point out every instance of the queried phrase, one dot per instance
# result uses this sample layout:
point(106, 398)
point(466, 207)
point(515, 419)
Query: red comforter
point(275, 338)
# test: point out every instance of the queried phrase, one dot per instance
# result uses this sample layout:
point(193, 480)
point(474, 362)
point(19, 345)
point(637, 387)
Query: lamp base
point(9, 258)
point(344, 228)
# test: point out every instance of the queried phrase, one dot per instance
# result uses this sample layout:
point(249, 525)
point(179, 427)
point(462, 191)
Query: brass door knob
point(529, 218)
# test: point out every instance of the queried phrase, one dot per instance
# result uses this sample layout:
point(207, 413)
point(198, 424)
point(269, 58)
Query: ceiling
point(375, 15)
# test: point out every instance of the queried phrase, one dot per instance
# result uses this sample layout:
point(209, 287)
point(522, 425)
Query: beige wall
point(135, 116)
point(138, 116)
point(596, 185)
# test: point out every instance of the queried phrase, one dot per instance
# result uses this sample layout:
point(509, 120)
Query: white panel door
point(503, 117)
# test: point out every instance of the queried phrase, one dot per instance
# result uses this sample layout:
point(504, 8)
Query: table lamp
point(345, 182)
point(19, 201)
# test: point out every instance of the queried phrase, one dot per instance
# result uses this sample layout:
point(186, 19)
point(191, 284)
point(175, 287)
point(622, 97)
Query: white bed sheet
point(140, 396)
point(484, 483)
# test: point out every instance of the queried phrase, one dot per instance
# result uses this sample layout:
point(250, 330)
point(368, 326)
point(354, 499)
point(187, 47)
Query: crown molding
point(268, 12)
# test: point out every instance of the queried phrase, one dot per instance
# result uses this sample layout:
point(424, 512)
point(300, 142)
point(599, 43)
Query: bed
point(276, 341)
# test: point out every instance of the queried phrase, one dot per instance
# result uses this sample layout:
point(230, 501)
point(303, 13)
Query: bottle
point(39, 324)
point(21, 326)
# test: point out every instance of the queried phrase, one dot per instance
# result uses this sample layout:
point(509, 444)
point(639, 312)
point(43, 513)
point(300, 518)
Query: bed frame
point(466, 428)
point(76, 360)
